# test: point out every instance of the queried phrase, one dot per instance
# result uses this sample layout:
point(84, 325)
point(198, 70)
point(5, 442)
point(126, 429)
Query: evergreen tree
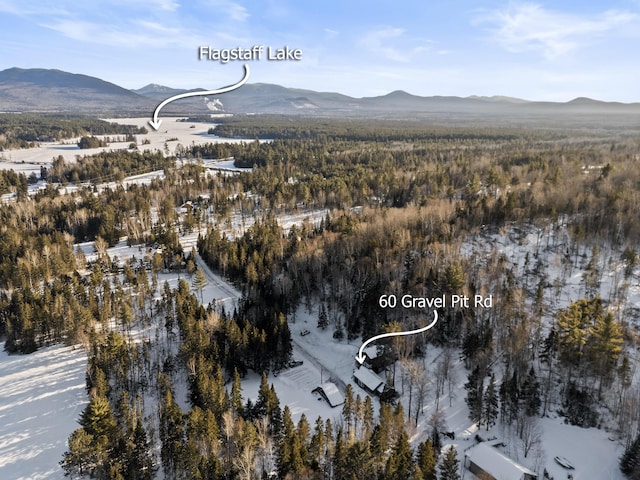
point(303, 432)
point(605, 347)
point(474, 388)
point(348, 412)
point(139, 464)
point(236, 394)
point(317, 445)
point(82, 458)
point(359, 462)
point(378, 447)
point(200, 281)
point(261, 405)
point(289, 459)
point(509, 398)
point(630, 460)
point(367, 418)
point(574, 327)
point(340, 456)
point(171, 433)
point(427, 460)
point(450, 467)
point(490, 408)
point(530, 394)
point(400, 462)
point(97, 419)
point(323, 319)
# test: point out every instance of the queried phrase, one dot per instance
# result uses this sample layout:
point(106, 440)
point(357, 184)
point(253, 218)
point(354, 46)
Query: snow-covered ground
point(41, 398)
point(49, 384)
point(536, 252)
point(171, 134)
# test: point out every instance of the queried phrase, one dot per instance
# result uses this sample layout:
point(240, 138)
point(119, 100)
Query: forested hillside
point(543, 221)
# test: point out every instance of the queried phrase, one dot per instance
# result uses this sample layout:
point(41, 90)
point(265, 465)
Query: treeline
point(322, 129)
point(112, 166)
point(24, 130)
point(12, 181)
point(91, 142)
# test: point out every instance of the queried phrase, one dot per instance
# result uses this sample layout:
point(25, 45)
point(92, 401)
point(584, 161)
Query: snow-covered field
point(41, 398)
point(172, 133)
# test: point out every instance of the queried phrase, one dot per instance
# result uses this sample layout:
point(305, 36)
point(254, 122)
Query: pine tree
point(275, 413)
point(400, 462)
point(97, 418)
point(575, 326)
point(171, 433)
point(427, 460)
point(236, 394)
point(605, 347)
point(490, 408)
point(289, 452)
point(630, 460)
point(530, 394)
point(303, 432)
point(323, 320)
point(450, 467)
point(367, 418)
point(474, 388)
point(348, 411)
point(139, 462)
point(82, 458)
point(317, 445)
point(378, 446)
point(260, 407)
point(359, 462)
point(200, 281)
point(339, 456)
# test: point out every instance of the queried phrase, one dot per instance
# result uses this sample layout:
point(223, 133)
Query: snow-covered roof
point(494, 462)
point(368, 378)
point(331, 393)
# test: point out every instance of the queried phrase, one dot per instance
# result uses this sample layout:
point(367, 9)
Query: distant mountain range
point(40, 90)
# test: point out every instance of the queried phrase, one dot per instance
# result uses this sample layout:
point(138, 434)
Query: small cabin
point(369, 380)
point(329, 391)
point(486, 461)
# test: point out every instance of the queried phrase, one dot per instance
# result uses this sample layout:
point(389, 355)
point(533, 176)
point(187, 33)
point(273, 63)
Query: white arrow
point(360, 357)
point(155, 123)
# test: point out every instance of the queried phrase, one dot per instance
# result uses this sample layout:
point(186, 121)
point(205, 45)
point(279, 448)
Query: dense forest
point(25, 130)
point(401, 206)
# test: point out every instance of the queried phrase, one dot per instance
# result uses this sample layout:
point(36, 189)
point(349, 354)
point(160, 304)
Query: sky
point(536, 50)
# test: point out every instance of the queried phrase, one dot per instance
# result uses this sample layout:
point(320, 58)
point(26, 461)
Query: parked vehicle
point(564, 463)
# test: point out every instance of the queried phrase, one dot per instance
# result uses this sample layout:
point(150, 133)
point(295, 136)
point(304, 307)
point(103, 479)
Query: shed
point(330, 393)
point(369, 380)
point(485, 459)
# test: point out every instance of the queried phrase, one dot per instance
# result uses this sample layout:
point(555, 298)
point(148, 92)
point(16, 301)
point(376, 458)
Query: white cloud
point(43, 8)
point(137, 33)
point(168, 5)
point(32, 8)
point(394, 44)
point(151, 5)
point(330, 33)
point(530, 27)
point(157, 27)
point(228, 8)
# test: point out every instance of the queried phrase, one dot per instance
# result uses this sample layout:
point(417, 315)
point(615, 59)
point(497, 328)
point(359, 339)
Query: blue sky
point(535, 50)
